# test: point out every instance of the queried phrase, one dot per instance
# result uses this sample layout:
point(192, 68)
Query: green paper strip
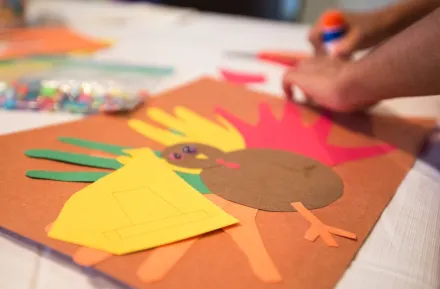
point(195, 181)
point(103, 147)
point(82, 177)
point(77, 159)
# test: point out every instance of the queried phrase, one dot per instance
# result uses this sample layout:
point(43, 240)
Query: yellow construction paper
point(193, 127)
point(140, 206)
point(14, 70)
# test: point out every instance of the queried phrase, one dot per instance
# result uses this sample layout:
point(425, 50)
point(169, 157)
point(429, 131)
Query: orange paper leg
point(248, 239)
point(86, 256)
point(319, 229)
point(162, 260)
point(48, 227)
point(90, 257)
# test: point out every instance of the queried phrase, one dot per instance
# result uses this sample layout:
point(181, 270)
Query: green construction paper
point(83, 177)
point(195, 181)
point(77, 159)
point(158, 154)
point(108, 148)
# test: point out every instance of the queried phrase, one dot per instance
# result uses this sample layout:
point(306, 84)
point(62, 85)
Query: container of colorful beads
point(81, 86)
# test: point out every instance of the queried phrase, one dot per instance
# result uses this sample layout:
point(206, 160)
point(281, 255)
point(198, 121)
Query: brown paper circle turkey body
point(263, 179)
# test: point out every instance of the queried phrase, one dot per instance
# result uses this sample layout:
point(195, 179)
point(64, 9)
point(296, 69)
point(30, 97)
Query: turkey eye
point(176, 156)
point(189, 150)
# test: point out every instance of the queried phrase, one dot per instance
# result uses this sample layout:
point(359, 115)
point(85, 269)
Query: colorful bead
point(9, 103)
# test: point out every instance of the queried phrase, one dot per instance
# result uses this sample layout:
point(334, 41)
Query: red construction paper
point(291, 134)
point(242, 77)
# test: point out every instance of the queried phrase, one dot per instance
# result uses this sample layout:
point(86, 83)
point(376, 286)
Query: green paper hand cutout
point(107, 148)
point(82, 177)
point(195, 181)
point(77, 159)
point(94, 162)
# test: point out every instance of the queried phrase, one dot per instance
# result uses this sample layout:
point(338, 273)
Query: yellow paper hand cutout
point(140, 206)
point(194, 127)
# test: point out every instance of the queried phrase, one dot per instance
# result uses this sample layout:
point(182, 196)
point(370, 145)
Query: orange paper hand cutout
point(90, 257)
point(247, 237)
point(319, 229)
point(162, 260)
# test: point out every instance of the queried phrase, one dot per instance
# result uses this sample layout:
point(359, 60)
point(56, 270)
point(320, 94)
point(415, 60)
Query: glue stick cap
point(332, 19)
point(333, 27)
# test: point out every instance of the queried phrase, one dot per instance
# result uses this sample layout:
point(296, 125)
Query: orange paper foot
point(319, 229)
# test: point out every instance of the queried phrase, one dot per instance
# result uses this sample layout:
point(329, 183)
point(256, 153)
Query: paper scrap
point(20, 42)
point(242, 77)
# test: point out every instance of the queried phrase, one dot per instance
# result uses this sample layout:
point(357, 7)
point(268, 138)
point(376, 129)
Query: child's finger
point(287, 83)
point(347, 45)
point(316, 40)
point(291, 88)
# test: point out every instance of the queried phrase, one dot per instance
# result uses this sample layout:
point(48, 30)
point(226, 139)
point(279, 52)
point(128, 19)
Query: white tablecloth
point(403, 249)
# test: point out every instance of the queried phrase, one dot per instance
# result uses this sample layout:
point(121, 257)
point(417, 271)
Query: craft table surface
point(403, 248)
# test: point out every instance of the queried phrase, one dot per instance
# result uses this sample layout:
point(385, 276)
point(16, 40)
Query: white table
point(403, 249)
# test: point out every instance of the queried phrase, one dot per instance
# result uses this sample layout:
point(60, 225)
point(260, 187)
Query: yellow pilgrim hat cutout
point(140, 206)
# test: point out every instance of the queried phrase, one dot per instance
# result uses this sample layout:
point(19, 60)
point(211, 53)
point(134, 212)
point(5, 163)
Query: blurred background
point(287, 10)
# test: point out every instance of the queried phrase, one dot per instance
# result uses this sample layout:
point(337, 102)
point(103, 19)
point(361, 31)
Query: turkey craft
point(276, 165)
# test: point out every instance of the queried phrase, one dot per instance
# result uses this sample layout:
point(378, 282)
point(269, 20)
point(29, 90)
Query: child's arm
point(406, 65)
point(370, 28)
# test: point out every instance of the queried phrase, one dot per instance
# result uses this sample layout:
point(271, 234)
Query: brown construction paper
point(193, 161)
point(215, 261)
point(271, 180)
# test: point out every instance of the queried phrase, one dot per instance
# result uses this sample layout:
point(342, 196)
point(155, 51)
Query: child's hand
point(364, 30)
point(326, 82)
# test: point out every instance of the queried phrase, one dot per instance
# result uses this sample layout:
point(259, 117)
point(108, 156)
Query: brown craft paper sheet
point(214, 261)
